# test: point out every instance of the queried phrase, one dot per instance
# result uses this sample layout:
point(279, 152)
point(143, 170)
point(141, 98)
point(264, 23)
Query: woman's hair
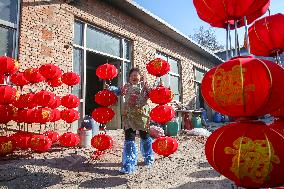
point(134, 70)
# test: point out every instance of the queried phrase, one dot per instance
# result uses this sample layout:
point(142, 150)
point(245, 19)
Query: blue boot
point(147, 151)
point(129, 157)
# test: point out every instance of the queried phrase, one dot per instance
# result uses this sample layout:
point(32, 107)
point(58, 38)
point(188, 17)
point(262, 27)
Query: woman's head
point(134, 75)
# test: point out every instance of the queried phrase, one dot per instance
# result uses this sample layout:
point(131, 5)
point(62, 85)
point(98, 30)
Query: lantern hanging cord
point(246, 35)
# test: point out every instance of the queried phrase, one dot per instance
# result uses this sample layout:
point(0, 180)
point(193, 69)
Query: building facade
point(80, 35)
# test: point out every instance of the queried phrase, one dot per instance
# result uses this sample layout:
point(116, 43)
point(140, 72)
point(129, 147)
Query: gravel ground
point(73, 168)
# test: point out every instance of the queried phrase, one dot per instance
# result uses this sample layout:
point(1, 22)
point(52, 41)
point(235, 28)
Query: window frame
point(195, 69)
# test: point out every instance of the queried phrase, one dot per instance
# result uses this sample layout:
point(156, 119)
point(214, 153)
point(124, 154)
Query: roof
point(153, 21)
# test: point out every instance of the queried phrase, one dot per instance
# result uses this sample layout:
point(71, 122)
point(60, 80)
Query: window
point(172, 79)
point(199, 74)
point(9, 19)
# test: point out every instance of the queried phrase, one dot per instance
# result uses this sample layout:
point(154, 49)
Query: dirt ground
point(73, 168)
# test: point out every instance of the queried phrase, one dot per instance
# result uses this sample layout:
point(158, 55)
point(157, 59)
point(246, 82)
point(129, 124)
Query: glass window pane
point(176, 98)
point(174, 66)
point(78, 33)
point(127, 67)
point(162, 56)
point(165, 80)
point(77, 67)
point(175, 84)
point(127, 50)
point(103, 42)
point(199, 74)
point(6, 41)
point(9, 10)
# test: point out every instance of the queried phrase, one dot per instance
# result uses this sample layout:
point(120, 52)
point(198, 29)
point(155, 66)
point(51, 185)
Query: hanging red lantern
point(56, 115)
point(70, 115)
point(33, 75)
point(50, 71)
point(56, 103)
point(56, 82)
point(165, 146)
point(70, 78)
point(7, 145)
point(106, 71)
point(161, 95)
point(43, 115)
point(103, 115)
point(234, 88)
point(219, 13)
point(266, 36)
point(2, 79)
point(6, 113)
point(40, 143)
point(8, 94)
point(22, 139)
point(25, 116)
point(158, 67)
point(162, 114)
point(105, 98)
point(69, 139)
point(19, 79)
point(70, 101)
point(44, 98)
point(102, 142)
point(8, 66)
point(249, 153)
point(52, 135)
point(278, 113)
point(24, 101)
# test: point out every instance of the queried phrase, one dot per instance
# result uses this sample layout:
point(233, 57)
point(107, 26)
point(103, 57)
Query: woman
point(135, 117)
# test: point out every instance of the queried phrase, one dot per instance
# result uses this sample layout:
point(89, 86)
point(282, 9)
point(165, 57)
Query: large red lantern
point(43, 115)
point(102, 142)
point(249, 153)
point(33, 75)
point(52, 135)
point(8, 66)
point(162, 114)
point(70, 78)
point(105, 98)
point(7, 145)
point(278, 113)
point(44, 98)
point(2, 79)
point(56, 82)
point(25, 116)
point(70, 101)
point(24, 101)
point(22, 139)
point(8, 95)
point(70, 115)
point(103, 115)
point(50, 71)
point(56, 115)
point(165, 146)
point(56, 103)
point(266, 36)
point(219, 13)
point(161, 95)
point(235, 87)
point(106, 71)
point(158, 67)
point(40, 143)
point(69, 139)
point(19, 79)
point(6, 113)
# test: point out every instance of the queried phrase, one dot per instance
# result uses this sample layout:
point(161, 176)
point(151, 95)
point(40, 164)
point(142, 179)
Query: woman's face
point(134, 77)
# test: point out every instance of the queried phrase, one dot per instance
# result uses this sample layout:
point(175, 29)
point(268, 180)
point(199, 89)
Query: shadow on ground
point(216, 184)
point(205, 174)
point(104, 182)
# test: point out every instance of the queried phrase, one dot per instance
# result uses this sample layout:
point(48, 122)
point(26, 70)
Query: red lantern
point(6, 113)
point(266, 36)
point(40, 143)
point(52, 135)
point(19, 79)
point(56, 115)
point(7, 145)
point(102, 142)
point(219, 13)
point(2, 79)
point(106, 71)
point(234, 88)
point(105, 98)
point(161, 95)
point(56, 82)
point(158, 67)
point(22, 139)
point(70, 78)
point(33, 75)
point(70, 115)
point(8, 66)
point(43, 115)
point(69, 139)
point(249, 153)
point(8, 95)
point(70, 101)
point(25, 116)
point(278, 113)
point(103, 115)
point(25, 101)
point(44, 98)
point(165, 146)
point(50, 71)
point(56, 103)
point(162, 114)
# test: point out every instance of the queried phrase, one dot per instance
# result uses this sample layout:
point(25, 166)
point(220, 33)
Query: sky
point(182, 15)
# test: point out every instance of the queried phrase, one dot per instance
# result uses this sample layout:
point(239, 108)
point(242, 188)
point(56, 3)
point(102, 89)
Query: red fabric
point(44, 98)
point(8, 95)
point(40, 143)
point(103, 115)
point(69, 139)
point(105, 98)
point(162, 114)
point(165, 146)
point(158, 67)
point(52, 135)
point(50, 71)
point(106, 71)
point(236, 89)
point(70, 78)
point(7, 145)
point(266, 35)
point(102, 142)
point(19, 79)
point(56, 82)
point(161, 95)
point(8, 66)
point(69, 115)
point(248, 153)
point(33, 75)
point(70, 101)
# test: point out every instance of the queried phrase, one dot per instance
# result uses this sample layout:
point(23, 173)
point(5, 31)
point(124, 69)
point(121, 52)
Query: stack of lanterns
point(104, 114)
point(249, 152)
point(162, 113)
